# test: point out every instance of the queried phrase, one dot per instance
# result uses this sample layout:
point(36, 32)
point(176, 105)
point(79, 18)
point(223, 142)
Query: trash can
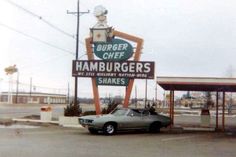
point(46, 113)
point(205, 118)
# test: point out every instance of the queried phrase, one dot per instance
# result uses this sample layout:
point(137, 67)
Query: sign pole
point(90, 55)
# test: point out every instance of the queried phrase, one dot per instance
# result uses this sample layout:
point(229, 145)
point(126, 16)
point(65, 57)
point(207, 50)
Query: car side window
point(137, 114)
point(145, 113)
point(119, 112)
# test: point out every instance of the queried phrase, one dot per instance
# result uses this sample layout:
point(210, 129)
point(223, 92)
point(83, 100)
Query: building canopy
point(197, 84)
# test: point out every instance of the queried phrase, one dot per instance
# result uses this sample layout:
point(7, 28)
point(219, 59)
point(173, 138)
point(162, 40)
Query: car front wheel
point(93, 131)
point(109, 129)
point(155, 127)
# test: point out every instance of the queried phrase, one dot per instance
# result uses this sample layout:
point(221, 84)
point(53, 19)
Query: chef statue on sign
point(101, 14)
point(101, 32)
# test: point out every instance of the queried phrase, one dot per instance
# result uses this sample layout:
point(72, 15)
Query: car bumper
point(89, 124)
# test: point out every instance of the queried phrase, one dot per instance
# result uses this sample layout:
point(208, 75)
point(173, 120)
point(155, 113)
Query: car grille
point(85, 121)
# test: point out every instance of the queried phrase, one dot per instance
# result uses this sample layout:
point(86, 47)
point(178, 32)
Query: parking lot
point(70, 142)
point(39, 139)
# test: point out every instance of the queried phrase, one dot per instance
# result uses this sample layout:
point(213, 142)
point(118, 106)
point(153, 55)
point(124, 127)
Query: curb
point(72, 126)
point(41, 121)
point(197, 129)
point(34, 121)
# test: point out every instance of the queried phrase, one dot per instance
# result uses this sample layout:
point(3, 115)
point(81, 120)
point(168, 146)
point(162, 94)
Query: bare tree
point(209, 102)
point(230, 74)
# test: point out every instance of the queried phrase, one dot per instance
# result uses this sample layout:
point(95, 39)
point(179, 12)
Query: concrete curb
point(180, 129)
point(34, 121)
point(197, 129)
point(72, 126)
point(50, 122)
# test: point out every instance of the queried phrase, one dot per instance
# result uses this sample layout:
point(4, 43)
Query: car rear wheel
point(109, 129)
point(155, 127)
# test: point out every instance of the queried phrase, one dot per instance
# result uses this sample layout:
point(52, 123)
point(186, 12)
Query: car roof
point(139, 110)
point(135, 109)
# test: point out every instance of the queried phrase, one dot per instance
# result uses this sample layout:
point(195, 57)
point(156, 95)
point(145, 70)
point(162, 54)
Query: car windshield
point(139, 113)
point(119, 112)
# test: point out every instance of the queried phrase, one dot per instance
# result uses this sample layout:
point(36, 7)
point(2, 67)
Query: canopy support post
point(223, 113)
point(217, 110)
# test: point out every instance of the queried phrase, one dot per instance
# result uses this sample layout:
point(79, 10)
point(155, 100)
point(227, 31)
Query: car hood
point(92, 117)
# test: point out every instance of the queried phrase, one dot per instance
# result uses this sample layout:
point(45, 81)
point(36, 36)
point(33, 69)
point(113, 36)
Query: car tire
point(109, 129)
point(155, 127)
point(93, 131)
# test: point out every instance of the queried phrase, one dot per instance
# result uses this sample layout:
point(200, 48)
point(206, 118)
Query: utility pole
point(30, 85)
point(30, 89)
point(156, 93)
point(17, 85)
point(10, 89)
point(146, 93)
point(77, 48)
point(68, 93)
point(135, 96)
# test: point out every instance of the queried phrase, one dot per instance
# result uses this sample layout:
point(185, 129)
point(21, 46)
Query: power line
point(43, 20)
point(37, 39)
point(28, 84)
point(42, 61)
point(40, 18)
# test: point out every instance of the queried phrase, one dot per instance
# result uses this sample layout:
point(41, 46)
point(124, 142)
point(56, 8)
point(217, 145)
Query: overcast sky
point(183, 37)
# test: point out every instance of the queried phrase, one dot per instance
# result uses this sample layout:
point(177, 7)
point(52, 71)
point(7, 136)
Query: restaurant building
point(33, 98)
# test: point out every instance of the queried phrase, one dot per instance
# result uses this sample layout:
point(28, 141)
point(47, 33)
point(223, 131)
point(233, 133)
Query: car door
point(133, 120)
point(146, 121)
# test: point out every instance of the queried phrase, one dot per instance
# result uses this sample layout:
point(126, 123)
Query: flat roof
point(34, 94)
point(197, 83)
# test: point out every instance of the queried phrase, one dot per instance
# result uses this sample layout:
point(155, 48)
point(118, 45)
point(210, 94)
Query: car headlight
point(81, 121)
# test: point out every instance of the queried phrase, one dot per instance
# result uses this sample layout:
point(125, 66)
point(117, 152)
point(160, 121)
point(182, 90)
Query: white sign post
point(10, 71)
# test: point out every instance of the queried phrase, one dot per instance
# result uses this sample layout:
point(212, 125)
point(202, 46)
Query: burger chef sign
point(114, 66)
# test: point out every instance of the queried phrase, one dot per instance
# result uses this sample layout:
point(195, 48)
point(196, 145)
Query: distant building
point(34, 98)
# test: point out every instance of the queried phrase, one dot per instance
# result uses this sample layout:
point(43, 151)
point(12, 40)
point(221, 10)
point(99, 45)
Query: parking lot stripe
point(48, 132)
point(177, 138)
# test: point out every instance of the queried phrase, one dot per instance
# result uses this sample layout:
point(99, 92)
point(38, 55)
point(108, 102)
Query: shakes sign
point(127, 69)
point(112, 81)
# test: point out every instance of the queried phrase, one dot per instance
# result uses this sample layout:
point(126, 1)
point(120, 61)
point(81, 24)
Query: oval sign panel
point(115, 50)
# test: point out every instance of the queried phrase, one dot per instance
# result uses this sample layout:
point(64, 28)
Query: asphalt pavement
point(40, 139)
point(70, 142)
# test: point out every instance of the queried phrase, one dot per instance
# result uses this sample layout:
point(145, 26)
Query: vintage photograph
point(117, 78)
